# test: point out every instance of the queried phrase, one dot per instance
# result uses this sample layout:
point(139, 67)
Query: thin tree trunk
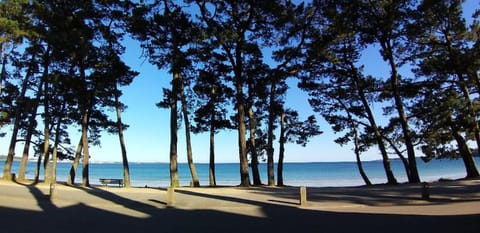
point(55, 148)
point(37, 168)
point(378, 136)
point(471, 108)
point(253, 148)
point(394, 82)
point(211, 166)
point(242, 143)
point(281, 153)
point(465, 153)
point(86, 154)
point(174, 181)
point(46, 130)
point(126, 170)
point(356, 143)
point(400, 155)
point(271, 122)
point(191, 164)
point(28, 138)
point(357, 156)
point(76, 161)
point(88, 103)
point(3, 74)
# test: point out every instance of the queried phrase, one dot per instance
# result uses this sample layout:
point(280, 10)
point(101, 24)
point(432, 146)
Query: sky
point(148, 137)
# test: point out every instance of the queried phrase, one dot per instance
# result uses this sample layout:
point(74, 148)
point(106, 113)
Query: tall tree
point(14, 26)
point(213, 97)
point(166, 38)
point(116, 70)
point(186, 120)
point(14, 22)
point(337, 87)
point(442, 50)
point(294, 130)
point(384, 23)
point(241, 29)
point(256, 104)
point(232, 24)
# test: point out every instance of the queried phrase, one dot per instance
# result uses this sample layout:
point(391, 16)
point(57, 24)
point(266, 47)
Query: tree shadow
point(379, 195)
point(275, 217)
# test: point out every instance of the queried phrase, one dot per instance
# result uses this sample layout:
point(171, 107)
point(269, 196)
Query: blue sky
point(147, 138)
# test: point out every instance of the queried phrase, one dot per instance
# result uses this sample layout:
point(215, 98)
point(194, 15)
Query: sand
point(453, 206)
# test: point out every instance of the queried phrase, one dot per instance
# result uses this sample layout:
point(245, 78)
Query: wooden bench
point(106, 182)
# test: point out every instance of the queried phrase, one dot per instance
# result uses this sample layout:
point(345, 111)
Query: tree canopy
point(231, 65)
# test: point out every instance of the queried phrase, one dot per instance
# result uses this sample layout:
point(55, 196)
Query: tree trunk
point(191, 164)
point(37, 168)
point(7, 169)
point(357, 156)
point(55, 147)
point(400, 155)
point(465, 153)
point(76, 161)
point(86, 154)
point(24, 161)
point(46, 131)
point(394, 82)
point(174, 181)
point(471, 108)
point(253, 148)
point(378, 136)
point(126, 170)
point(271, 122)
point(281, 153)
point(242, 143)
point(28, 137)
point(211, 167)
point(3, 73)
point(88, 103)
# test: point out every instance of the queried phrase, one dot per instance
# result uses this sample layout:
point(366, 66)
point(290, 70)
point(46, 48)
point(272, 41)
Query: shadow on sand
point(278, 217)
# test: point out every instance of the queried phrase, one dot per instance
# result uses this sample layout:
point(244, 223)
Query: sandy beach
point(453, 206)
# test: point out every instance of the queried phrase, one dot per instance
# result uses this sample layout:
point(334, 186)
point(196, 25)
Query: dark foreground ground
point(452, 207)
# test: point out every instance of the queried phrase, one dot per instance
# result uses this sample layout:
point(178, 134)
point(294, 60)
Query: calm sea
point(317, 174)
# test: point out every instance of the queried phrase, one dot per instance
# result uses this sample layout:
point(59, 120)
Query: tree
point(186, 120)
point(213, 96)
point(234, 27)
point(384, 23)
point(256, 104)
point(337, 88)
point(294, 130)
point(442, 49)
point(166, 39)
point(117, 71)
point(13, 28)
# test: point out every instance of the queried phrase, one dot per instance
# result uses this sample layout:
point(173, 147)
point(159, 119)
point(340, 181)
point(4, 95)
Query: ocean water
point(316, 174)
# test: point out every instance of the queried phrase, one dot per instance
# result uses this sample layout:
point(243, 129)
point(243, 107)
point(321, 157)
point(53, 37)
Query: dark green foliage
point(230, 62)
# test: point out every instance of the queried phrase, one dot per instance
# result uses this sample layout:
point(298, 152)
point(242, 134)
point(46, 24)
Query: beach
point(452, 206)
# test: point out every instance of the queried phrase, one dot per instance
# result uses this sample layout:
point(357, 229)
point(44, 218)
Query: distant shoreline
point(3, 158)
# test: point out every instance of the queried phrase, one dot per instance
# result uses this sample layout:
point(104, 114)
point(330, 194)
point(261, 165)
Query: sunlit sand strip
point(119, 209)
point(20, 203)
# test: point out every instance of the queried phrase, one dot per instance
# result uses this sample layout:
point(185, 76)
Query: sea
point(311, 174)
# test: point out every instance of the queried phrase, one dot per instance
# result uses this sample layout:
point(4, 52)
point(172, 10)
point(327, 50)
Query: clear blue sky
point(147, 138)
